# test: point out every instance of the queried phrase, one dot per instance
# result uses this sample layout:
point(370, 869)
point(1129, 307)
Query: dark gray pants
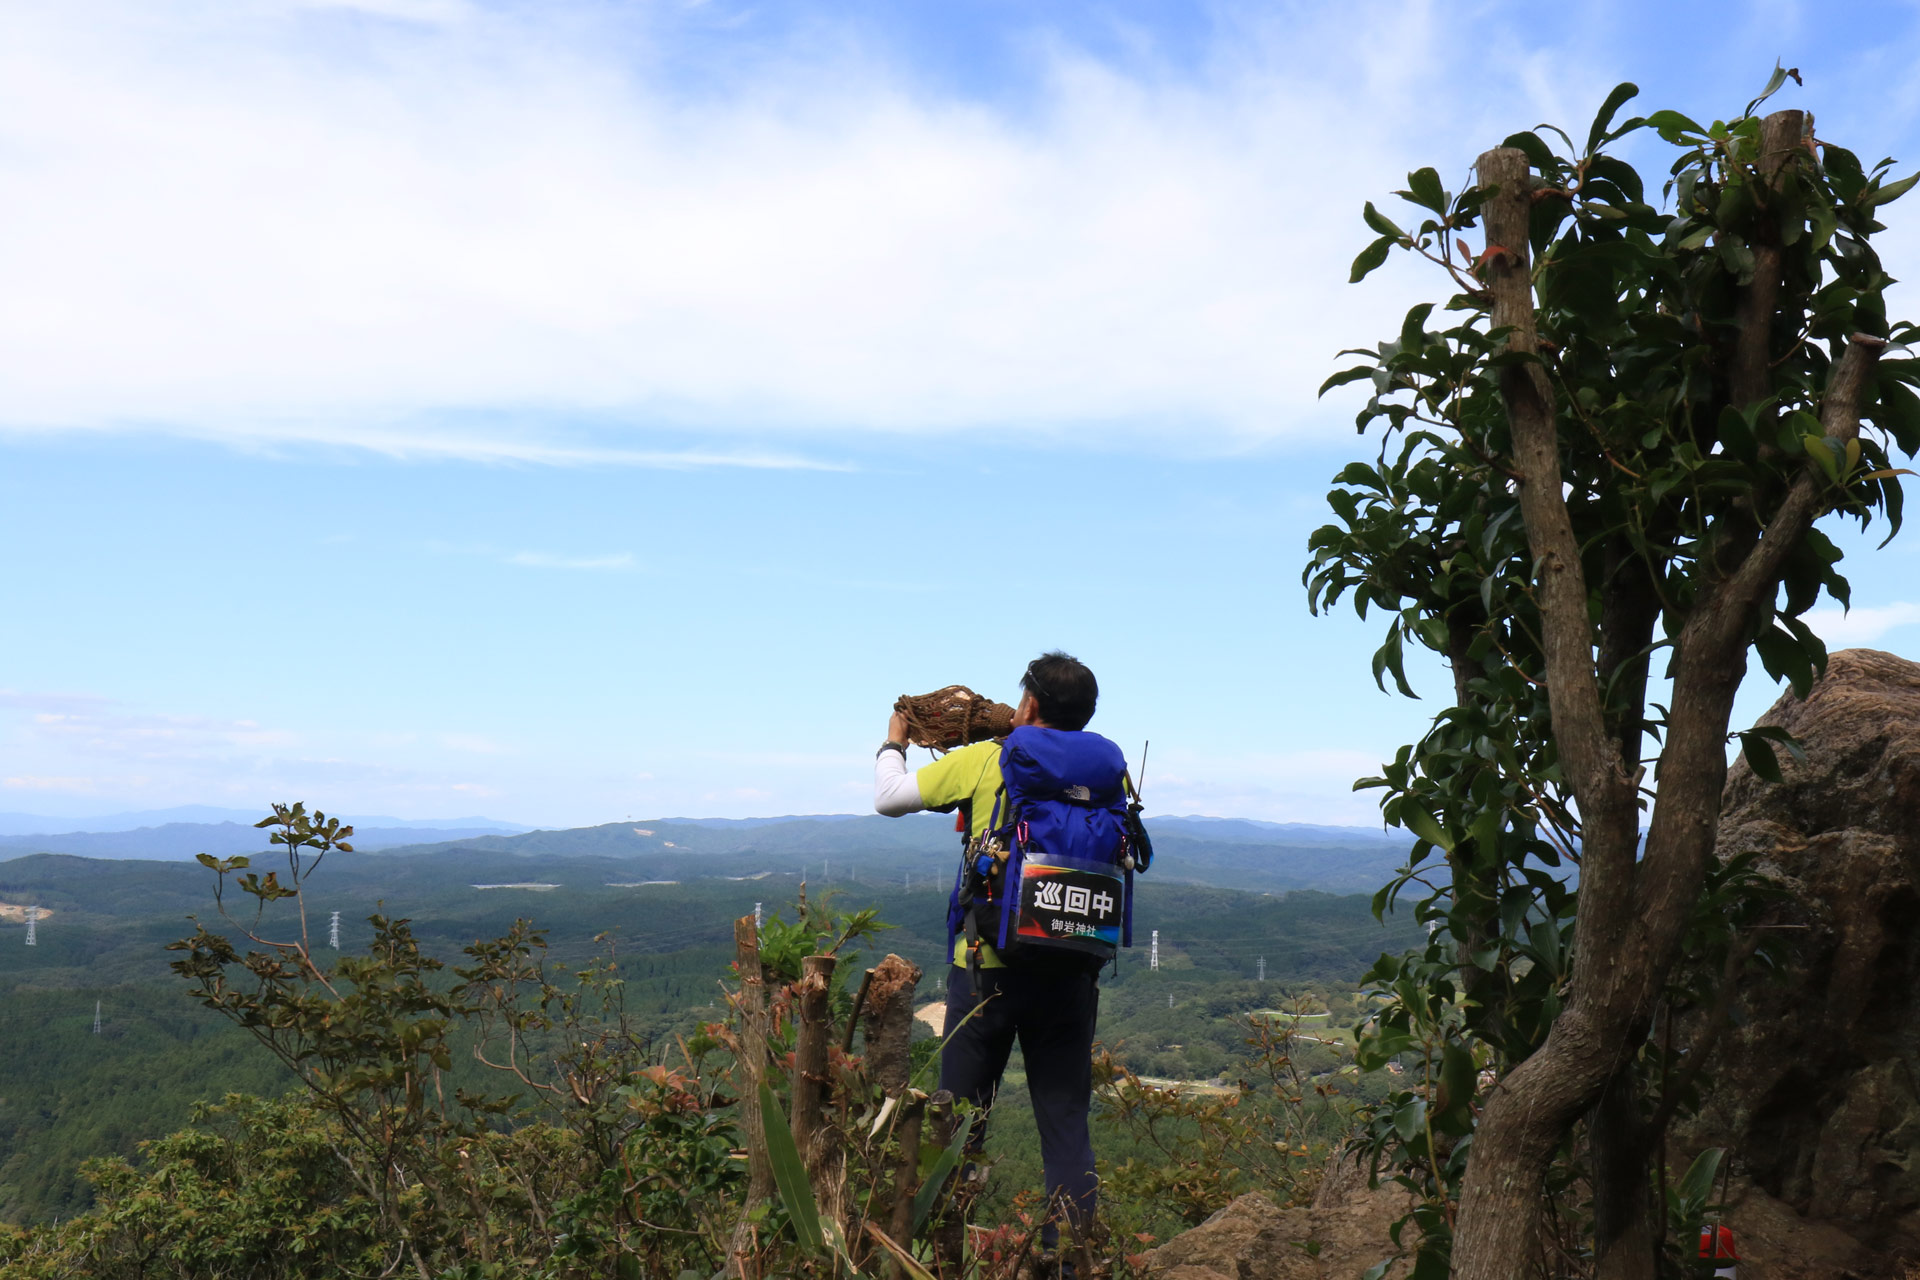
point(1053, 1017)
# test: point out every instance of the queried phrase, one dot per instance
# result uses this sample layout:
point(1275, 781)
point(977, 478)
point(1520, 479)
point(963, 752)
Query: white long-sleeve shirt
point(896, 792)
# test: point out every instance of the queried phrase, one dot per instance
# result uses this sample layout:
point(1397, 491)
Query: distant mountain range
point(26, 824)
point(180, 840)
point(1227, 852)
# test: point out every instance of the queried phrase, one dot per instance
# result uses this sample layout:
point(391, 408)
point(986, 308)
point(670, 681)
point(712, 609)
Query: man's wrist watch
point(891, 745)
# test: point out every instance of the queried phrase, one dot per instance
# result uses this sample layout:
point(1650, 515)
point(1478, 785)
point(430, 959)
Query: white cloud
point(541, 560)
point(99, 728)
point(616, 561)
point(443, 235)
point(424, 11)
point(80, 786)
point(1862, 626)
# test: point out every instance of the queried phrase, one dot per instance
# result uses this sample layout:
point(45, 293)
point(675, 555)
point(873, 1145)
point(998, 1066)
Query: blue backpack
point(1050, 880)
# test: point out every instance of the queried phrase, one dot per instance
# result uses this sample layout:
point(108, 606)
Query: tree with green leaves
point(1603, 462)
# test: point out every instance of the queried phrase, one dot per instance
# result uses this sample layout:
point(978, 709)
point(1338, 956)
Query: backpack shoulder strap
point(999, 801)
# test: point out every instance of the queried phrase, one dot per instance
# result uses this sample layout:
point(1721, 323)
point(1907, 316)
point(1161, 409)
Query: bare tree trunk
point(1623, 1234)
point(1498, 1223)
point(815, 1136)
point(949, 1230)
point(888, 990)
point(811, 1036)
point(890, 1023)
point(906, 1180)
point(1782, 137)
point(751, 1072)
point(1626, 1228)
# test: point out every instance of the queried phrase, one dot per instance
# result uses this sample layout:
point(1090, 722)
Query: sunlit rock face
point(1345, 1231)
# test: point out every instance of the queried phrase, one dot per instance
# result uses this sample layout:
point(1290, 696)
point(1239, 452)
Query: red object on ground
point(1717, 1243)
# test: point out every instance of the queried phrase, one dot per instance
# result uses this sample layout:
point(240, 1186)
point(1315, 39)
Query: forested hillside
point(70, 1094)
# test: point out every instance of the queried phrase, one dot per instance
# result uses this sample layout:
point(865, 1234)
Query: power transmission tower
point(1263, 969)
point(33, 917)
point(1153, 958)
point(333, 932)
point(1169, 999)
point(756, 917)
point(96, 1017)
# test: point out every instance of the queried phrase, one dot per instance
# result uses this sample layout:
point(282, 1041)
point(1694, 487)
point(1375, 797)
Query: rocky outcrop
point(1817, 1094)
point(1234, 1244)
point(1338, 1238)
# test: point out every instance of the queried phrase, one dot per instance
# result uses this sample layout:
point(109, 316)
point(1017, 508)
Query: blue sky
point(563, 411)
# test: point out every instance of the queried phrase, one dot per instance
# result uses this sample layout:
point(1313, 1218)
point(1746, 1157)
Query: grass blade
point(908, 1263)
point(937, 1180)
point(789, 1175)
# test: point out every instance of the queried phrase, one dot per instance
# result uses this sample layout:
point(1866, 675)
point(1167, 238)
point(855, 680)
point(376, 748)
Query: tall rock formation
point(1817, 1094)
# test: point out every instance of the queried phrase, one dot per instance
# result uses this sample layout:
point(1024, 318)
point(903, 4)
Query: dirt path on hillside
point(934, 1014)
point(18, 914)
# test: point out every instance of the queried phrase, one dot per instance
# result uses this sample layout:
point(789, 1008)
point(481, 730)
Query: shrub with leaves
point(1270, 1130)
point(597, 1154)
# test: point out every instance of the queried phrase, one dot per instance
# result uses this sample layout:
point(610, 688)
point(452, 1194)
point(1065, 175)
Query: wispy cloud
point(527, 438)
point(231, 222)
point(423, 11)
point(473, 743)
point(88, 746)
point(78, 786)
point(61, 703)
point(104, 729)
point(527, 442)
point(606, 562)
point(1288, 786)
point(1861, 626)
point(542, 560)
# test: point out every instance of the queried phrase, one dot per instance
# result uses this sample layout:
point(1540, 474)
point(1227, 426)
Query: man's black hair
point(1064, 689)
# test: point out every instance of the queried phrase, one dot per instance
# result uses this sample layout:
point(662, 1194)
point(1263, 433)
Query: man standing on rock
point(1041, 990)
